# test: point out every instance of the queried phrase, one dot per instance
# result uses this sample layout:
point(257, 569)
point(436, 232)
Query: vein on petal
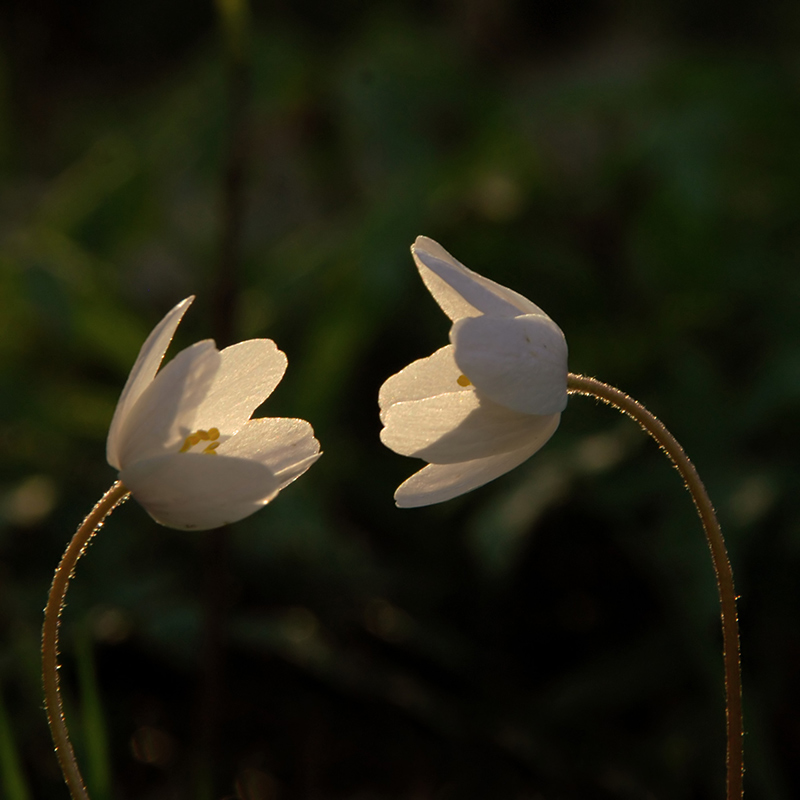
point(248, 373)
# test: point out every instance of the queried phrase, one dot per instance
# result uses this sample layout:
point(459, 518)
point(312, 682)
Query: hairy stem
point(579, 384)
point(116, 495)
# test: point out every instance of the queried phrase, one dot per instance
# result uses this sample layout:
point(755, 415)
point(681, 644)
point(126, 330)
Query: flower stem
point(579, 384)
point(116, 495)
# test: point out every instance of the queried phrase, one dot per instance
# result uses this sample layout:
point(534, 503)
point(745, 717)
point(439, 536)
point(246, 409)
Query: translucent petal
point(439, 482)
point(248, 373)
point(520, 363)
point(426, 377)
point(196, 491)
point(448, 429)
point(144, 370)
point(286, 446)
point(461, 292)
point(165, 412)
point(412, 426)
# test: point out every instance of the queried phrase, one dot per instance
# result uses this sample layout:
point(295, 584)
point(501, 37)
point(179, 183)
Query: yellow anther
point(212, 448)
point(463, 380)
point(189, 442)
point(211, 435)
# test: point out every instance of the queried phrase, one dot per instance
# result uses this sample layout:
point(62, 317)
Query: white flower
point(183, 440)
point(483, 404)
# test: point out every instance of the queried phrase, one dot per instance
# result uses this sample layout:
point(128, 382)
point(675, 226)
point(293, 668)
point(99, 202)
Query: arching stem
point(52, 618)
point(579, 384)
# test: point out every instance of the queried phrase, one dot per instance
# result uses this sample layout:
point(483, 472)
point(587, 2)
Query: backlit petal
point(248, 373)
point(165, 412)
point(520, 363)
point(286, 446)
point(447, 429)
point(412, 426)
point(145, 368)
point(425, 377)
point(196, 491)
point(439, 482)
point(461, 292)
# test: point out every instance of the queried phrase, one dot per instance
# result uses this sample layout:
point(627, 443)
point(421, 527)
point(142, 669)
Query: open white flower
point(486, 402)
point(183, 440)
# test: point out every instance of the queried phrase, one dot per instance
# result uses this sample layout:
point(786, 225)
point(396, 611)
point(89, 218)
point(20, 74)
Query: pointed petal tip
point(182, 306)
point(401, 502)
point(142, 374)
point(425, 246)
point(413, 499)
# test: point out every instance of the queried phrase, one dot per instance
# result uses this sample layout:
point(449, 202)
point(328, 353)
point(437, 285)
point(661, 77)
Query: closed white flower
point(486, 402)
point(182, 438)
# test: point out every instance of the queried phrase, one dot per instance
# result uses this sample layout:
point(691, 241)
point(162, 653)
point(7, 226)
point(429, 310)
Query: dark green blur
point(634, 169)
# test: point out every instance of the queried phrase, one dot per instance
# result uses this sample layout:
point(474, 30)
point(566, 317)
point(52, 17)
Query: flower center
point(211, 436)
point(463, 380)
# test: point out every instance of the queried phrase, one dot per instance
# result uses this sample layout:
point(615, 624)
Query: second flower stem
point(52, 619)
point(580, 384)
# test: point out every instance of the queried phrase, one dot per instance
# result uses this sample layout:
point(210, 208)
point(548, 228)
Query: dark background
point(633, 168)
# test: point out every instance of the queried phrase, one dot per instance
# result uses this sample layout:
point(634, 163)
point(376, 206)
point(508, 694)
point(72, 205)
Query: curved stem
point(579, 384)
point(52, 618)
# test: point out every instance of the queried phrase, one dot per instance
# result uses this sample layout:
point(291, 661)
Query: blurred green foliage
point(634, 169)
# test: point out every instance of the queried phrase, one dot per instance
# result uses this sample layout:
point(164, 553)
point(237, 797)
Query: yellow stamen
point(463, 380)
point(191, 440)
point(211, 435)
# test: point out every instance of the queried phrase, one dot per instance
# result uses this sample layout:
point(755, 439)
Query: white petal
point(144, 370)
point(286, 446)
point(520, 363)
point(248, 373)
point(449, 429)
point(412, 426)
point(165, 412)
point(426, 377)
point(461, 292)
point(439, 482)
point(196, 491)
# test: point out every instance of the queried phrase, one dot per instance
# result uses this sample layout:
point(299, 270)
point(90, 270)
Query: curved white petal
point(439, 482)
point(520, 363)
point(196, 491)
point(165, 412)
point(413, 426)
point(461, 292)
point(449, 429)
point(425, 377)
point(144, 370)
point(248, 373)
point(286, 446)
